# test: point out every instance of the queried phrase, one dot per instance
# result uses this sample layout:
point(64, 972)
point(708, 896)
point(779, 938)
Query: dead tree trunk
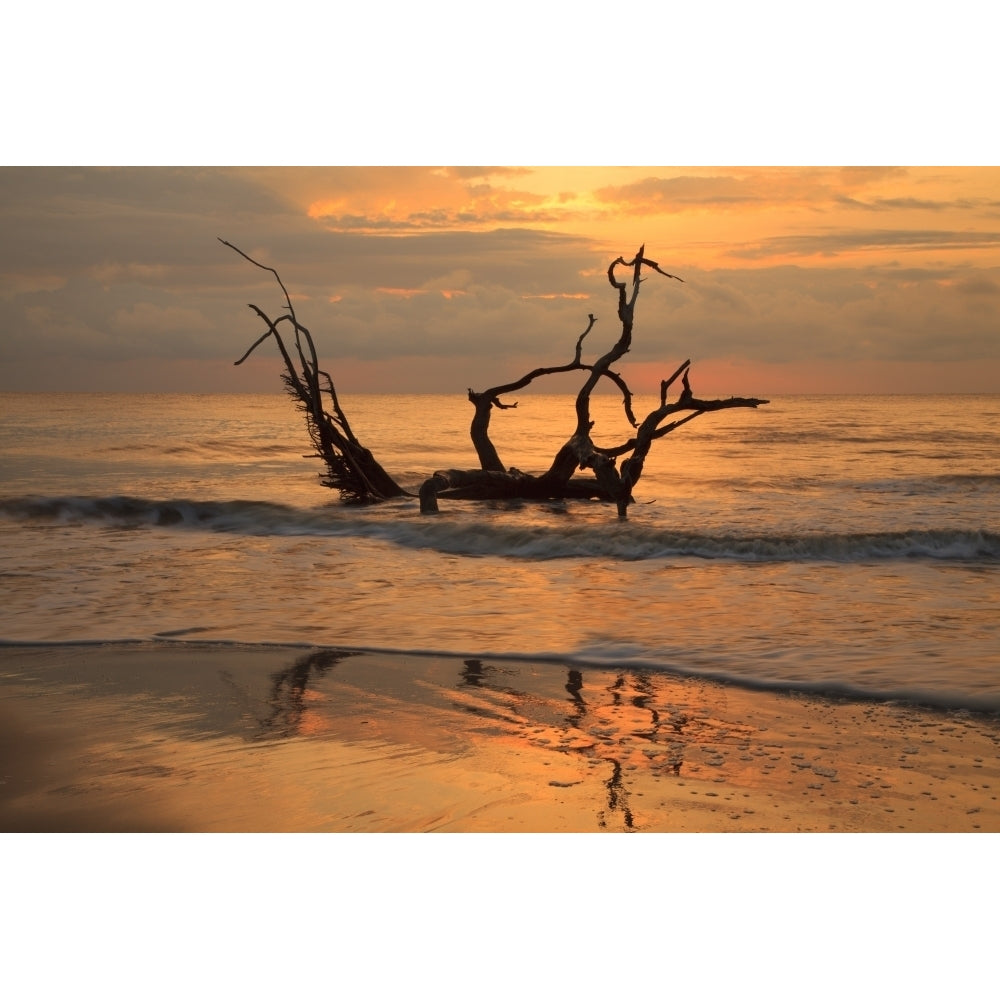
point(350, 467)
point(353, 470)
point(579, 452)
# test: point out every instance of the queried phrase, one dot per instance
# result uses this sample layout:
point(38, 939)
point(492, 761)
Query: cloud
point(69, 221)
point(474, 173)
point(474, 206)
point(836, 242)
point(415, 199)
point(919, 204)
point(978, 286)
point(812, 190)
point(856, 176)
point(478, 215)
point(786, 314)
point(123, 264)
point(673, 194)
point(741, 189)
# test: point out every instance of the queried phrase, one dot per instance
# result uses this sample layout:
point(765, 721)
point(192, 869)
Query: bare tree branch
point(350, 467)
point(353, 470)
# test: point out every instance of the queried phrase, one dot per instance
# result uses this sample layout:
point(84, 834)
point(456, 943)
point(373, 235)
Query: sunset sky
point(416, 278)
point(797, 279)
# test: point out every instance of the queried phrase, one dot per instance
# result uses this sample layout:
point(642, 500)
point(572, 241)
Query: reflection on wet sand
point(189, 737)
point(614, 723)
point(475, 673)
point(635, 735)
point(287, 703)
point(621, 726)
point(611, 704)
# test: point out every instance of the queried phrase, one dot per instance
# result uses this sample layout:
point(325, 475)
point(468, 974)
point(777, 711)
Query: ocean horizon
point(838, 544)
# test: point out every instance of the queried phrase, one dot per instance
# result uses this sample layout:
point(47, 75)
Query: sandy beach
point(185, 737)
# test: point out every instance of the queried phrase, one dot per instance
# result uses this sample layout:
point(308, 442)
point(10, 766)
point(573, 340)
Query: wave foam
point(484, 537)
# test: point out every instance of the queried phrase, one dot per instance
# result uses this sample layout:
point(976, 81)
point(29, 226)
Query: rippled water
point(849, 544)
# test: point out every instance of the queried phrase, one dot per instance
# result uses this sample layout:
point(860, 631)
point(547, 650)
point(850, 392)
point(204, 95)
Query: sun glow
point(401, 293)
point(838, 265)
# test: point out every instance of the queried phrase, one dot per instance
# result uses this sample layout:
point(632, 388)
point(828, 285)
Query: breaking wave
point(483, 536)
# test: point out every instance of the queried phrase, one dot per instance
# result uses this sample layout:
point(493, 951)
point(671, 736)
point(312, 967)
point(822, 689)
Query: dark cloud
point(102, 266)
point(419, 221)
point(522, 260)
point(978, 286)
point(859, 175)
point(675, 193)
point(791, 313)
point(918, 204)
point(66, 220)
point(473, 173)
point(125, 263)
point(834, 242)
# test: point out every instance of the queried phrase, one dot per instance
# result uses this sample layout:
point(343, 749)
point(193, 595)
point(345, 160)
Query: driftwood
point(353, 470)
point(350, 467)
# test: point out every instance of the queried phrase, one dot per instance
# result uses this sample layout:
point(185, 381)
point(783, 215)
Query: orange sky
point(710, 216)
point(837, 279)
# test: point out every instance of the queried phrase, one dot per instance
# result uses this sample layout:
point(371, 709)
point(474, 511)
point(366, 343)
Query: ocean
point(848, 545)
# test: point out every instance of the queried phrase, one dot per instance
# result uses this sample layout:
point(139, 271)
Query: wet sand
point(188, 737)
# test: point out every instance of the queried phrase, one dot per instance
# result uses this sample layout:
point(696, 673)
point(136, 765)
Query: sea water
point(841, 544)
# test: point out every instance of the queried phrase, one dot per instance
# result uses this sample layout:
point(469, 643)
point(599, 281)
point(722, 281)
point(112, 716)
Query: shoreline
point(203, 738)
